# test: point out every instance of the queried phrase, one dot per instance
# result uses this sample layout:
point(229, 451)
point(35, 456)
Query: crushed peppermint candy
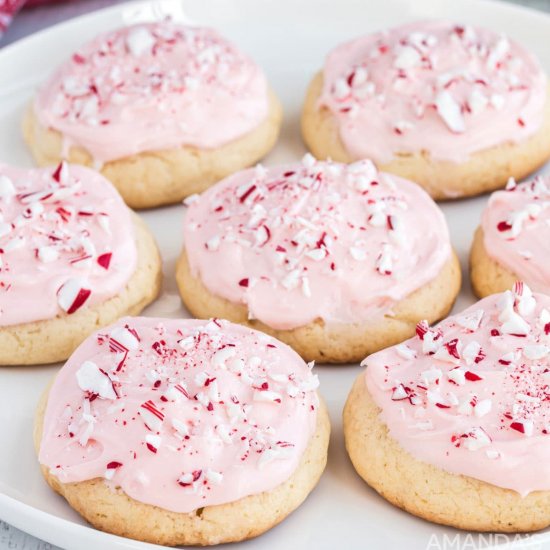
point(129, 90)
point(448, 89)
point(56, 256)
point(516, 229)
point(176, 411)
point(310, 231)
point(479, 391)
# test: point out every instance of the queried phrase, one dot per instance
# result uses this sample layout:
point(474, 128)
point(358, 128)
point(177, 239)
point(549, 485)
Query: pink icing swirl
point(66, 241)
point(180, 414)
point(434, 86)
point(315, 240)
point(516, 230)
point(471, 396)
point(153, 86)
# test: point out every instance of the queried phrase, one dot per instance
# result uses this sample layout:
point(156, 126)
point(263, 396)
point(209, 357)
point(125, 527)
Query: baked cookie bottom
point(487, 275)
point(484, 171)
point(154, 178)
point(113, 511)
point(53, 340)
point(426, 491)
point(332, 343)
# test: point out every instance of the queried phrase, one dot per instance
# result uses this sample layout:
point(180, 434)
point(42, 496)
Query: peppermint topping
point(481, 384)
point(140, 41)
point(7, 189)
point(129, 90)
point(449, 110)
point(73, 294)
point(298, 230)
point(516, 228)
point(55, 253)
point(195, 403)
point(94, 381)
point(91, 96)
point(432, 86)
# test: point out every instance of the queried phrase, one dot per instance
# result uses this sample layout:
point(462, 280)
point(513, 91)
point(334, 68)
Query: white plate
point(289, 39)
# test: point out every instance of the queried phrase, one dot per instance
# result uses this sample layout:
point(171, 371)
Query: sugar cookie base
point(115, 512)
point(487, 275)
point(334, 343)
point(154, 178)
point(53, 340)
point(429, 492)
point(484, 171)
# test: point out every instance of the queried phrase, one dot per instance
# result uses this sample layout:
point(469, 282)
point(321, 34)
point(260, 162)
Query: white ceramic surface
point(289, 39)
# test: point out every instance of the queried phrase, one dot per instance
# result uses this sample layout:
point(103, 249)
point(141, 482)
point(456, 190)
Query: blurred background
point(19, 17)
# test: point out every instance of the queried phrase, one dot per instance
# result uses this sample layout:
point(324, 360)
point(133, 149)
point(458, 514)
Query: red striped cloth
point(8, 8)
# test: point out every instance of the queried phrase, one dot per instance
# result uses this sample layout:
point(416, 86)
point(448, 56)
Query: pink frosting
point(180, 414)
point(295, 243)
point(472, 396)
point(434, 86)
point(516, 231)
point(66, 241)
point(153, 86)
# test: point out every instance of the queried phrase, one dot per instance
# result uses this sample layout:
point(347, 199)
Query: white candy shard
point(470, 321)
point(407, 58)
point(476, 439)
point(7, 189)
point(405, 352)
point(471, 352)
point(457, 375)
point(431, 376)
point(125, 337)
point(449, 110)
point(47, 254)
point(140, 41)
point(483, 407)
point(153, 442)
point(92, 379)
point(512, 323)
point(536, 351)
point(221, 356)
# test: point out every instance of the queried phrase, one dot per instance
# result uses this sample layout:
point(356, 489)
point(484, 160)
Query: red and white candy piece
point(525, 427)
point(92, 379)
point(112, 467)
point(125, 337)
point(152, 416)
point(152, 442)
point(73, 294)
point(476, 439)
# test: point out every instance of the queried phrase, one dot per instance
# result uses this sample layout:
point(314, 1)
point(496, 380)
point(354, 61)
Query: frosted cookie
point(455, 108)
point(453, 424)
point(336, 260)
point(73, 258)
point(512, 240)
point(163, 110)
point(183, 431)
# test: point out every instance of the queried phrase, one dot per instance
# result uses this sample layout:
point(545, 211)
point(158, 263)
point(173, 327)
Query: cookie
point(186, 432)
point(454, 108)
point(163, 110)
point(336, 260)
point(452, 425)
point(73, 258)
point(511, 242)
